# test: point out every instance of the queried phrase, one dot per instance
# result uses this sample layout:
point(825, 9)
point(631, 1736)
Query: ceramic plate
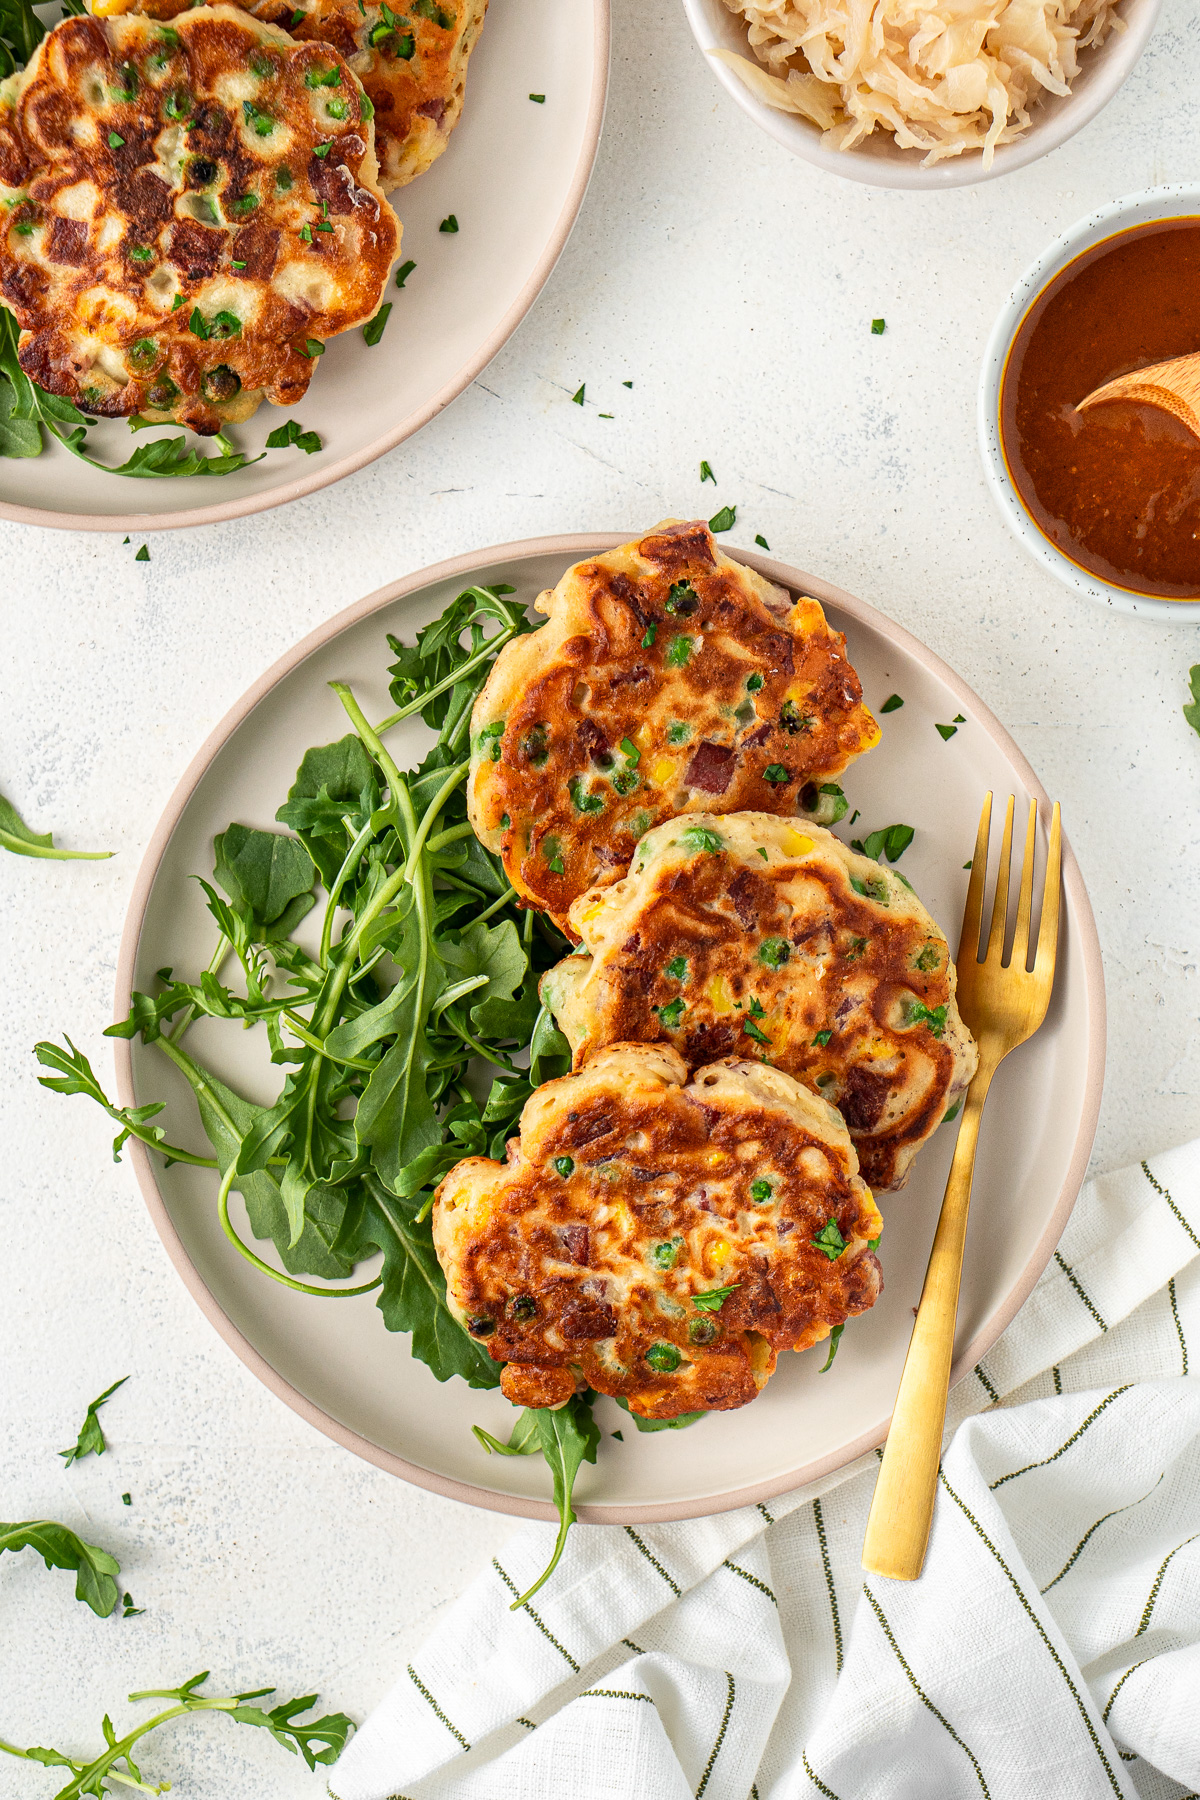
point(514, 176)
point(334, 1362)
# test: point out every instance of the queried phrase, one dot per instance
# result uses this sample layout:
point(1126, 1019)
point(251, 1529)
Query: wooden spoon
point(1173, 387)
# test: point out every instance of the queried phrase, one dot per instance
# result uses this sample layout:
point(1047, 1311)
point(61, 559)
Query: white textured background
point(735, 287)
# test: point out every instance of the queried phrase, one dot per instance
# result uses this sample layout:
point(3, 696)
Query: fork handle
point(902, 1510)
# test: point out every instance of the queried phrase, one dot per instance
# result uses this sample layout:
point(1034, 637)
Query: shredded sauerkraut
point(943, 75)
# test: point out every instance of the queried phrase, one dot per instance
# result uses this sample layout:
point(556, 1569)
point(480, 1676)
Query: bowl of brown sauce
point(1107, 499)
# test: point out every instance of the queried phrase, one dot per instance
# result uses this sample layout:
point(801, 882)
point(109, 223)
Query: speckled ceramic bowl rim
point(893, 168)
point(462, 379)
point(1179, 200)
point(462, 568)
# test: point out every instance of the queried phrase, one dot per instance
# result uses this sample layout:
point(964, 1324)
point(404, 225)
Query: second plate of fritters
point(669, 679)
point(659, 1239)
point(748, 935)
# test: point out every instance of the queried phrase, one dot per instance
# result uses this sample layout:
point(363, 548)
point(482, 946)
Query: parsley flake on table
point(893, 703)
point(761, 541)
point(538, 99)
point(449, 224)
point(822, 1038)
point(90, 1441)
point(403, 273)
point(946, 731)
point(577, 396)
point(143, 554)
point(706, 473)
point(725, 520)
point(627, 384)
point(878, 327)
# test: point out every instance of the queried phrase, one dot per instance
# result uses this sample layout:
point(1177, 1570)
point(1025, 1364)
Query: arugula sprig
point(22, 840)
point(21, 31)
point(567, 1436)
point(26, 409)
point(60, 1548)
point(91, 1440)
point(317, 1740)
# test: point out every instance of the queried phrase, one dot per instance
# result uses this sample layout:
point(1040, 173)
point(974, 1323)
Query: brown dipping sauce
point(1117, 488)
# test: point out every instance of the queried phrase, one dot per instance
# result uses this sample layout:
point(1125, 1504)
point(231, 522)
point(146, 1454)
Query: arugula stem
point(488, 648)
point(396, 782)
point(496, 1058)
point(215, 963)
point(560, 1544)
point(454, 779)
point(298, 1287)
point(352, 856)
point(496, 906)
point(315, 1043)
point(22, 848)
point(449, 836)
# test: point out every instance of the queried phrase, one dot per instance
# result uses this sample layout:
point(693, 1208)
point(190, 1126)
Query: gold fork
point(1003, 1003)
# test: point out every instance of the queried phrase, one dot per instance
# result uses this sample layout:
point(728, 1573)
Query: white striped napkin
point(1050, 1651)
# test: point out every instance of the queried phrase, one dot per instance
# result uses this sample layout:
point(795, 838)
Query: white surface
point(1178, 200)
point(1033, 1150)
point(882, 162)
point(735, 287)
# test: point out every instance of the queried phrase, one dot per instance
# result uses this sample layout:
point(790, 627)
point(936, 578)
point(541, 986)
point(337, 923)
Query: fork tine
point(995, 943)
point(973, 910)
point(1047, 943)
point(1020, 949)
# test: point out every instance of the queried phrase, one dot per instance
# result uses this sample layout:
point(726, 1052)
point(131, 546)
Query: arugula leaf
point(680, 1422)
point(60, 1548)
point(835, 1338)
point(715, 1298)
point(269, 877)
point(1192, 713)
point(566, 1436)
point(920, 1014)
point(21, 31)
point(16, 835)
point(830, 1240)
point(115, 1762)
point(18, 437)
point(91, 1436)
point(76, 1077)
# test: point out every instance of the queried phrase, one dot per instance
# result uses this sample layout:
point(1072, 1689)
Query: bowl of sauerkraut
point(922, 93)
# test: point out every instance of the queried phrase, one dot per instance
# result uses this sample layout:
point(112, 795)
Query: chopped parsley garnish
point(892, 841)
point(835, 1337)
point(403, 273)
point(933, 1016)
point(928, 957)
point(652, 628)
point(538, 99)
point(774, 952)
point(701, 837)
point(776, 774)
point(663, 1357)
point(678, 734)
point(450, 225)
point(306, 233)
point(677, 968)
point(630, 752)
point(142, 253)
point(115, 140)
point(893, 703)
point(663, 1256)
point(757, 1010)
point(177, 302)
point(577, 400)
point(555, 864)
point(315, 78)
point(715, 1298)
point(874, 1243)
point(262, 122)
point(143, 555)
point(752, 1030)
point(959, 719)
point(198, 324)
point(830, 1240)
point(564, 1166)
point(753, 683)
point(822, 1038)
point(762, 852)
point(878, 327)
point(373, 330)
point(237, 265)
point(679, 651)
point(629, 384)
point(761, 541)
point(297, 15)
point(946, 731)
point(313, 347)
point(706, 473)
point(292, 433)
point(245, 204)
point(724, 520)
point(947, 1118)
point(761, 1191)
point(126, 1499)
point(671, 1015)
point(606, 415)
point(581, 799)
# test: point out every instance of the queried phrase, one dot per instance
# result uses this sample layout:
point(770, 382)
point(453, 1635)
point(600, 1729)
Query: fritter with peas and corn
point(411, 60)
point(748, 935)
point(187, 213)
point(657, 1238)
point(668, 680)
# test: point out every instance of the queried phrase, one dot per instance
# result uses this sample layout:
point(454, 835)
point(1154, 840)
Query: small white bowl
point(1181, 200)
point(879, 161)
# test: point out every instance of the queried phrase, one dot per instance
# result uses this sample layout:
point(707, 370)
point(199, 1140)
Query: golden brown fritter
point(412, 61)
point(747, 935)
point(187, 212)
point(656, 1238)
point(668, 680)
